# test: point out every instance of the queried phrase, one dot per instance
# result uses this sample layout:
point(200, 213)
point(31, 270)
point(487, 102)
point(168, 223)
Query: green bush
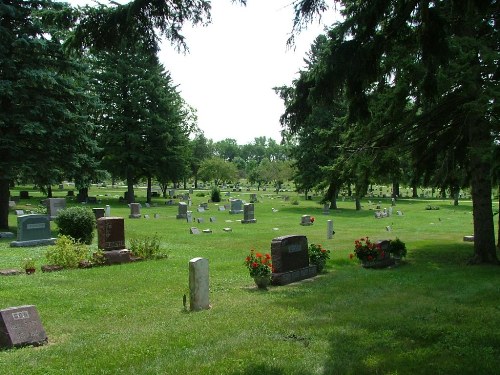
point(215, 194)
point(78, 223)
point(146, 248)
point(66, 252)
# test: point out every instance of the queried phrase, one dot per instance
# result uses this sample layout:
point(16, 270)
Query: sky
point(233, 64)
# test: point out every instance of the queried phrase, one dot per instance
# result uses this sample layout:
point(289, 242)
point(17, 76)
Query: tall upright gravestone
point(55, 205)
point(248, 214)
point(111, 240)
point(290, 259)
point(199, 291)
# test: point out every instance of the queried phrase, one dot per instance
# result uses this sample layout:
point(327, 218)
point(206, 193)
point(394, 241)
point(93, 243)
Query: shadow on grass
point(261, 369)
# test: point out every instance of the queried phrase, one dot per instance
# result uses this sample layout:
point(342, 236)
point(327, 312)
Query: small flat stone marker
point(468, 238)
point(227, 229)
point(194, 230)
point(20, 326)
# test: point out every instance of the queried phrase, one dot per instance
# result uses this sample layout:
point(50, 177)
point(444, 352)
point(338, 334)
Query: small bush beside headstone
point(77, 222)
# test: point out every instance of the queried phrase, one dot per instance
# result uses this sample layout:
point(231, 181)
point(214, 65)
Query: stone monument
point(290, 260)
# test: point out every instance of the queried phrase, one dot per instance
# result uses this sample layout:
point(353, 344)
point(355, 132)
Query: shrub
point(146, 248)
point(66, 252)
point(215, 194)
point(78, 223)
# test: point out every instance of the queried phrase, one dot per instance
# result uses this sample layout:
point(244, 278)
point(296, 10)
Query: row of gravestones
point(21, 325)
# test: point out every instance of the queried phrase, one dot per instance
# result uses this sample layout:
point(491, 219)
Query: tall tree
point(43, 131)
point(436, 63)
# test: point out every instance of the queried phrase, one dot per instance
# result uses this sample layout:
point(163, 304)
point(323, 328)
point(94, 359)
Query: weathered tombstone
point(212, 219)
point(182, 210)
point(329, 229)
point(12, 204)
point(33, 230)
point(135, 211)
point(290, 260)
point(222, 208)
point(171, 193)
point(23, 194)
point(248, 214)
point(157, 216)
point(201, 209)
point(226, 207)
point(236, 206)
point(108, 210)
point(400, 213)
point(98, 212)
point(207, 230)
point(146, 216)
point(253, 198)
point(189, 216)
point(55, 205)
point(326, 209)
point(200, 220)
point(111, 239)
point(21, 326)
point(306, 220)
point(227, 229)
point(393, 201)
point(19, 212)
point(389, 212)
point(204, 205)
point(194, 230)
point(199, 290)
point(469, 238)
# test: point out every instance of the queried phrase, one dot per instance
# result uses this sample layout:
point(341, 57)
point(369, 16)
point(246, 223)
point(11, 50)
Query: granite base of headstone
point(33, 230)
point(21, 326)
point(199, 290)
point(6, 235)
point(290, 260)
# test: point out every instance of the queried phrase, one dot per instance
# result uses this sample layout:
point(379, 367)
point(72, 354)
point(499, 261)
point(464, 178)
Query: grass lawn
point(431, 315)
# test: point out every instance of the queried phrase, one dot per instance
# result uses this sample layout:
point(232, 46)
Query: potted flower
point(260, 268)
point(318, 255)
point(371, 254)
point(28, 264)
point(397, 248)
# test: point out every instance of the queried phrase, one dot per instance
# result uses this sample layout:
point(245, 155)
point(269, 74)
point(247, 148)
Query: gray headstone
point(194, 230)
point(236, 206)
point(212, 219)
point(108, 210)
point(222, 208)
point(306, 220)
point(248, 214)
point(329, 229)
point(55, 205)
point(182, 210)
point(33, 230)
point(99, 212)
point(289, 253)
point(199, 290)
point(19, 212)
point(201, 209)
point(135, 211)
point(20, 326)
point(200, 220)
point(207, 230)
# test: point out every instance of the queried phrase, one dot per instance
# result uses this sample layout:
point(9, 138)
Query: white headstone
point(199, 284)
point(108, 210)
point(329, 229)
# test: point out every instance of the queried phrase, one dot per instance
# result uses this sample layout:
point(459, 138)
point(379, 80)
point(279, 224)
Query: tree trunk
point(148, 191)
point(414, 189)
point(49, 191)
point(130, 187)
point(331, 195)
point(395, 189)
point(4, 203)
point(358, 204)
point(498, 236)
point(83, 194)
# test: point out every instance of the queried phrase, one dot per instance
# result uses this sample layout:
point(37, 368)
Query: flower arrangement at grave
point(28, 264)
point(312, 219)
point(367, 251)
point(260, 268)
point(318, 255)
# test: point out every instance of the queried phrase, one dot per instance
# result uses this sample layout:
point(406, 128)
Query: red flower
point(247, 259)
point(323, 250)
point(268, 256)
point(312, 219)
point(258, 255)
point(254, 265)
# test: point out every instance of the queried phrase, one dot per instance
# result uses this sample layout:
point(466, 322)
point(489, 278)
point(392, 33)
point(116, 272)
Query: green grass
point(431, 315)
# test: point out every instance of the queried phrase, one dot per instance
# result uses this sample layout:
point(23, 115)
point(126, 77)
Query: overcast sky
point(233, 64)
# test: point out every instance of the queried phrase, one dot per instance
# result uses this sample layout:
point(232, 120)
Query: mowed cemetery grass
point(433, 314)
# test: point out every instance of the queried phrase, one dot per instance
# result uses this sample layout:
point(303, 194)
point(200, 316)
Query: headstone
point(171, 193)
point(207, 230)
point(147, 205)
point(55, 205)
point(157, 216)
point(212, 219)
point(155, 194)
point(190, 191)
point(6, 235)
point(201, 209)
point(146, 216)
point(135, 211)
point(326, 209)
point(20, 326)
point(204, 205)
point(108, 210)
point(393, 201)
point(19, 212)
point(189, 216)
point(61, 187)
point(389, 212)
point(253, 198)
point(400, 213)
point(222, 208)
point(248, 214)
point(227, 229)
point(199, 290)
point(182, 210)
point(236, 206)
point(227, 207)
point(200, 220)
point(111, 233)
point(194, 230)
point(469, 238)
point(111, 239)
point(306, 220)
point(33, 230)
point(23, 194)
point(329, 229)
point(290, 260)
point(12, 204)
point(98, 212)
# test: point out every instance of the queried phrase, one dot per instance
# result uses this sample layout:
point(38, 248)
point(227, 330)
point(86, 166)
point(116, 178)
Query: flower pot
point(29, 271)
point(262, 282)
